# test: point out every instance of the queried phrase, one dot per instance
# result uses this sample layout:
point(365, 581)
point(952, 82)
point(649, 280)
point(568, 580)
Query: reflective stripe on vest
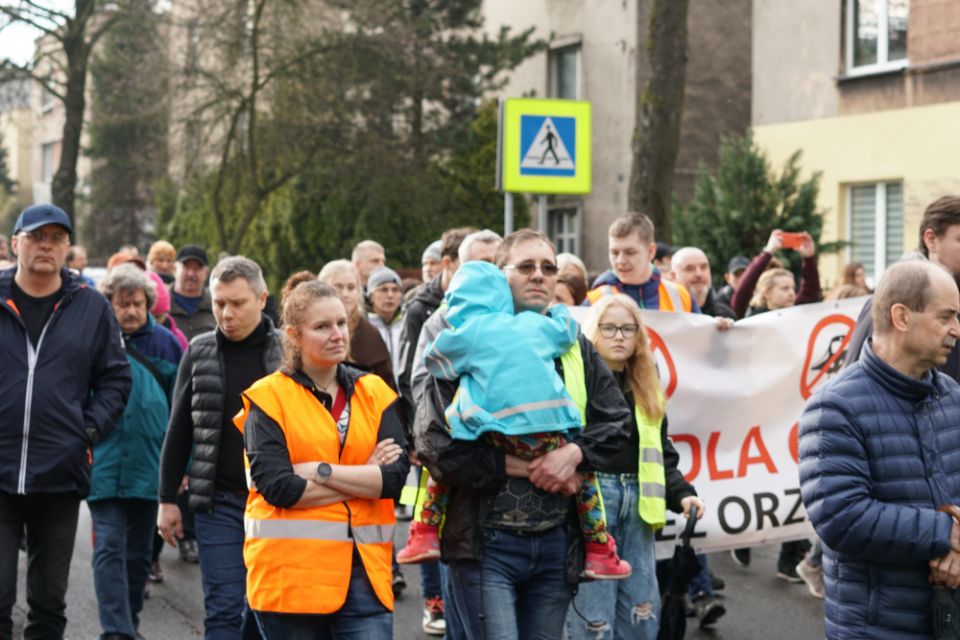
point(317, 530)
point(299, 560)
point(651, 476)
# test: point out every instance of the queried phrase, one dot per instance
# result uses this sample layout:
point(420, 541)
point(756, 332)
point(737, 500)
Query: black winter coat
point(475, 471)
point(63, 396)
point(415, 314)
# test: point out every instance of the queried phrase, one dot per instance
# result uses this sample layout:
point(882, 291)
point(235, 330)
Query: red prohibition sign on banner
point(806, 384)
point(657, 344)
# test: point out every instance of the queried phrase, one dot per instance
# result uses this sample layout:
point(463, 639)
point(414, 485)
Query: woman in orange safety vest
point(326, 458)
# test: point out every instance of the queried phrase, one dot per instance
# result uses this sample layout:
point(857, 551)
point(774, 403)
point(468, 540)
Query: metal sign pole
point(542, 217)
point(507, 212)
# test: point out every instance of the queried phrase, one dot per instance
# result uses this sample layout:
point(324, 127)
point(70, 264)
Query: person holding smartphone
point(777, 292)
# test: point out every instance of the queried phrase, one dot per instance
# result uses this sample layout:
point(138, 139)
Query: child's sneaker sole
point(420, 558)
point(607, 576)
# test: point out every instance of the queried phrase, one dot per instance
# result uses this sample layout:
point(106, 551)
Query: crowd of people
point(270, 439)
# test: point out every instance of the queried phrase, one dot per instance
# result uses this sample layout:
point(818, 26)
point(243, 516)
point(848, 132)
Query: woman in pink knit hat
point(161, 310)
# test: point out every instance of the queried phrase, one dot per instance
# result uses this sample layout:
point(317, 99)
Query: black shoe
point(399, 584)
point(741, 556)
point(717, 582)
point(787, 570)
point(709, 609)
point(188, 551)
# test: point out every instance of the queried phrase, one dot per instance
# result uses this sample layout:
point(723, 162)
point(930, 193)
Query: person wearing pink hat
point(161, 310)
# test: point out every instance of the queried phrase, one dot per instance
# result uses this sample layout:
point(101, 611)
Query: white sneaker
point(433, 622)
point(813, 576)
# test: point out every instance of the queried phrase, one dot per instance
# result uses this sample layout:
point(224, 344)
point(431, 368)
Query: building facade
point(597, 52)
point(869, 90)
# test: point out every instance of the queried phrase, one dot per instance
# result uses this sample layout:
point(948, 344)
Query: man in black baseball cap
point(731, 276)
point(190, 303)
point(66, 381)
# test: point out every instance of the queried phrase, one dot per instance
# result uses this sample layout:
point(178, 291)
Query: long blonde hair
point(641, 368)
point(765, 283)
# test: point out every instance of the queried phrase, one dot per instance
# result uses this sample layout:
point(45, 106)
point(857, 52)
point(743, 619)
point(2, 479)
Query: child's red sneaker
point(423, 544)
point(603, 563)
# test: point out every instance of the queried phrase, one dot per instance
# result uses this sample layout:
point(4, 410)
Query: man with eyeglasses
point(511, 534)
point(65, 383)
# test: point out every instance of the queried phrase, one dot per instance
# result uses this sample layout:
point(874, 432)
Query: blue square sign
point(548, 146)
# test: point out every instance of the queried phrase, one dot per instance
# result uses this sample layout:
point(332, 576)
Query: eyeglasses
point(610, 330)
point(39, 236)
point(548, 269)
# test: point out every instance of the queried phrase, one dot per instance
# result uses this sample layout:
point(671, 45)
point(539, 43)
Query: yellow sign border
point(510, 177)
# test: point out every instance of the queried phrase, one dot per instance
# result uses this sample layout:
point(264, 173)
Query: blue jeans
point(123, 531)
point(435, 581)
point(51, 526)
point(701, 583)
point(519, 589)
point(362, 616)
point(621, 609)
point(220, 545)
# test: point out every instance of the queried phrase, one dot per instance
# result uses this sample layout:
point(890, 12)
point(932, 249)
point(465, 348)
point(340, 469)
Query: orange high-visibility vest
point(673, 296)
point(299, 560)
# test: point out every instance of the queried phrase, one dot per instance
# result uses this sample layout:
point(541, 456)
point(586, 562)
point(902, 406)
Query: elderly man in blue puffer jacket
point(879, 453)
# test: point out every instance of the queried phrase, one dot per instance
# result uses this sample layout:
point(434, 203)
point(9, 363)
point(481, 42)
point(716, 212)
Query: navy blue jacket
point(879, 452)
point(74, 396)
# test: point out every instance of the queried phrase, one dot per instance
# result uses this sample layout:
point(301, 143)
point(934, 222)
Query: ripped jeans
point(621, 609)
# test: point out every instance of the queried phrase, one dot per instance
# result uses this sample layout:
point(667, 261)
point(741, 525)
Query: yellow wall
point(919, 146)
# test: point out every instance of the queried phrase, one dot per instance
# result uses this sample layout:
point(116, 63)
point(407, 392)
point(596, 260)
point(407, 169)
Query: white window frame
point(50, 147)
point(882, 65)
point(879, 224)
point(553, 70)
point(569, 235)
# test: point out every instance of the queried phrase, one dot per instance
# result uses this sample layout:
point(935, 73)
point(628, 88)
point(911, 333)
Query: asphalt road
point(759, 605)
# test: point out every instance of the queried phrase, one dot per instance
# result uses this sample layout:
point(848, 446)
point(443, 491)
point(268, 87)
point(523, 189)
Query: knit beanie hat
point(162, 304)
point(432, 252)
point(382, 276)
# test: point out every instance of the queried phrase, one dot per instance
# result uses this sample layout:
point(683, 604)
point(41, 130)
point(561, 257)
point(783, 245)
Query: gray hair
point(229, 269)
point(365, 245)
point(485, 236)
point(566, 259)
point(127, 278)
point(906, 283)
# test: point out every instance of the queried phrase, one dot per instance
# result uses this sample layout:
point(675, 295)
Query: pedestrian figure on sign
point(550, 141)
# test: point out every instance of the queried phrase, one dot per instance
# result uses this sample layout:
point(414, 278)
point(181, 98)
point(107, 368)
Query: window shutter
point(894, 248)
point(863, 210)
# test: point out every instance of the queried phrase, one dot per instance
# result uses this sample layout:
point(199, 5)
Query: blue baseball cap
point(39, 215)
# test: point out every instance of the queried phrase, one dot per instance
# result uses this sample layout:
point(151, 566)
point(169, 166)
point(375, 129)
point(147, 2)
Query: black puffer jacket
point(203, 363)
point(475, 471)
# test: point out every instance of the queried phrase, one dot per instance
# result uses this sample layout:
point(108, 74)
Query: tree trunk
point(656, 137)
point(76, 50)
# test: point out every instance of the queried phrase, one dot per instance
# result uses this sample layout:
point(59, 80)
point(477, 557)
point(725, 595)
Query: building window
point(565, 72)
point(48, 159)
point(876, 35)
point(563, 228)
point(875, 224)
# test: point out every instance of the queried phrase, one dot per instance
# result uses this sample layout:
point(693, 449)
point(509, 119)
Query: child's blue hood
point(478, 288)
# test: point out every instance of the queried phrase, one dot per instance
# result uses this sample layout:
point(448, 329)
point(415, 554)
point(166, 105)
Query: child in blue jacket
point(511, 395)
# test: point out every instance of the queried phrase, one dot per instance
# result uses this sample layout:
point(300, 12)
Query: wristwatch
point(323, 472)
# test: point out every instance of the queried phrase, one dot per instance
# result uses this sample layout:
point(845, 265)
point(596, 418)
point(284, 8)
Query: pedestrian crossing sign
point(544, 146)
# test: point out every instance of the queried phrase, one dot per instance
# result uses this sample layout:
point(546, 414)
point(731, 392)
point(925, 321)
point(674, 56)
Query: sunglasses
point(548, 269)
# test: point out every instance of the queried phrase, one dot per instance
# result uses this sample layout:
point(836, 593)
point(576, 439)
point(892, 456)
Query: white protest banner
point(734, 399)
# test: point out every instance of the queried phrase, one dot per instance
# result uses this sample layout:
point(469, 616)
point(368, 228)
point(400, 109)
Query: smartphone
point(791, 240)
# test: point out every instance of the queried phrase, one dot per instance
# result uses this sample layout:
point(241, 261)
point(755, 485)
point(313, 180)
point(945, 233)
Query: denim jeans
point(220, 544)
point(518, 590)
point(362, 616)
point(122, 545)
point(701, 583)
point(51, 525)
point(621, 609)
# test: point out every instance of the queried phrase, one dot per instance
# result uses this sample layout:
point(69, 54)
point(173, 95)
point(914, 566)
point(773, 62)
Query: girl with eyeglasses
point(641, 483)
